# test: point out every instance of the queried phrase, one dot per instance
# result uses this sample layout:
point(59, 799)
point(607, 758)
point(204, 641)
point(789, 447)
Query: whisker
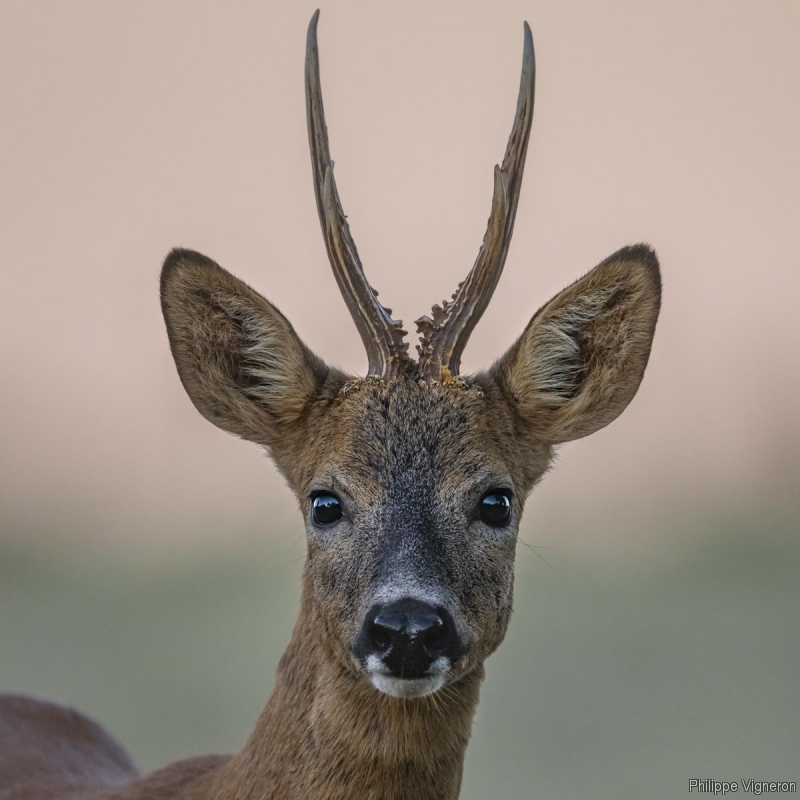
point(535, 550)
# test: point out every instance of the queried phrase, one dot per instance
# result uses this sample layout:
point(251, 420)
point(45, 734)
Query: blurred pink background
point(130, 128)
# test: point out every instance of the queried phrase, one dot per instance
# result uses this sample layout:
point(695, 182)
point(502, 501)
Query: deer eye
point(496, 508)
point(326, 509)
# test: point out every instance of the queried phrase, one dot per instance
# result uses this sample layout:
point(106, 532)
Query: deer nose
point(408, 636)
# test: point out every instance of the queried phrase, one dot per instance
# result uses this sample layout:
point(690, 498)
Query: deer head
point(412, 480)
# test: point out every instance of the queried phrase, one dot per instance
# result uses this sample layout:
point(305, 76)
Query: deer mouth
point(389, 682)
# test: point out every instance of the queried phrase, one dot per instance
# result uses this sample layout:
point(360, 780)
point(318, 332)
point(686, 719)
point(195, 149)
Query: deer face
point(412, 481)
point(412, 515)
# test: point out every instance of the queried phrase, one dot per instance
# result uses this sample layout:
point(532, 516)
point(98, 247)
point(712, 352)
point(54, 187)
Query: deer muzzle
point(408, 647)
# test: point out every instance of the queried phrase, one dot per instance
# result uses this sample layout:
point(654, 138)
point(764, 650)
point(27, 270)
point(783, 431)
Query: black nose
point(408, 636)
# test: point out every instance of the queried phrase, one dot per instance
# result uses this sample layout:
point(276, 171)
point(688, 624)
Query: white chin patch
point(404, 687)
point(407, 687)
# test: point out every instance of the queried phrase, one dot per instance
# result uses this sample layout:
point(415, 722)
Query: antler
point(445, 333)
point(382, 335)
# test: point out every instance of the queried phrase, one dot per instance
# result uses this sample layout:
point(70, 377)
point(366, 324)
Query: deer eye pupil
point(496, 508)
point(326, 509)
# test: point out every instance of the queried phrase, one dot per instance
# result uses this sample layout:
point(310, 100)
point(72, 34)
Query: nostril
point(434, 638)
point(380, 637)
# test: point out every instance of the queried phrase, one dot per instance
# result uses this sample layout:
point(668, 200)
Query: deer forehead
point(413, 437)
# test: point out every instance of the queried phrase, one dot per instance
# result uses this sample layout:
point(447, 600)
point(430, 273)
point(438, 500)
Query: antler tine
point(382, 335)
point(445, 333)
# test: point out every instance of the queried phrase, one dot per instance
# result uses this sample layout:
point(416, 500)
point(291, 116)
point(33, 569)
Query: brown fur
point(409, 460)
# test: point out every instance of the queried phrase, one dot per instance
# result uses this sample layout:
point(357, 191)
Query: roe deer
point(412, 482)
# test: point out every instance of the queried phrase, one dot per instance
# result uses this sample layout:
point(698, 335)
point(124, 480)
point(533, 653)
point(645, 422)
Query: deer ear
point(582, 356)
point(239, 359)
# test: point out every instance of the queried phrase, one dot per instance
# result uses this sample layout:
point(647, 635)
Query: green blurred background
point(149, 564)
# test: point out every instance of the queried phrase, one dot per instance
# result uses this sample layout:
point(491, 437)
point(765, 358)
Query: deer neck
point(326, 734)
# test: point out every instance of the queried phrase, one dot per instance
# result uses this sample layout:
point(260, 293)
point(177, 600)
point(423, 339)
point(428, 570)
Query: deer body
point(412, 482)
